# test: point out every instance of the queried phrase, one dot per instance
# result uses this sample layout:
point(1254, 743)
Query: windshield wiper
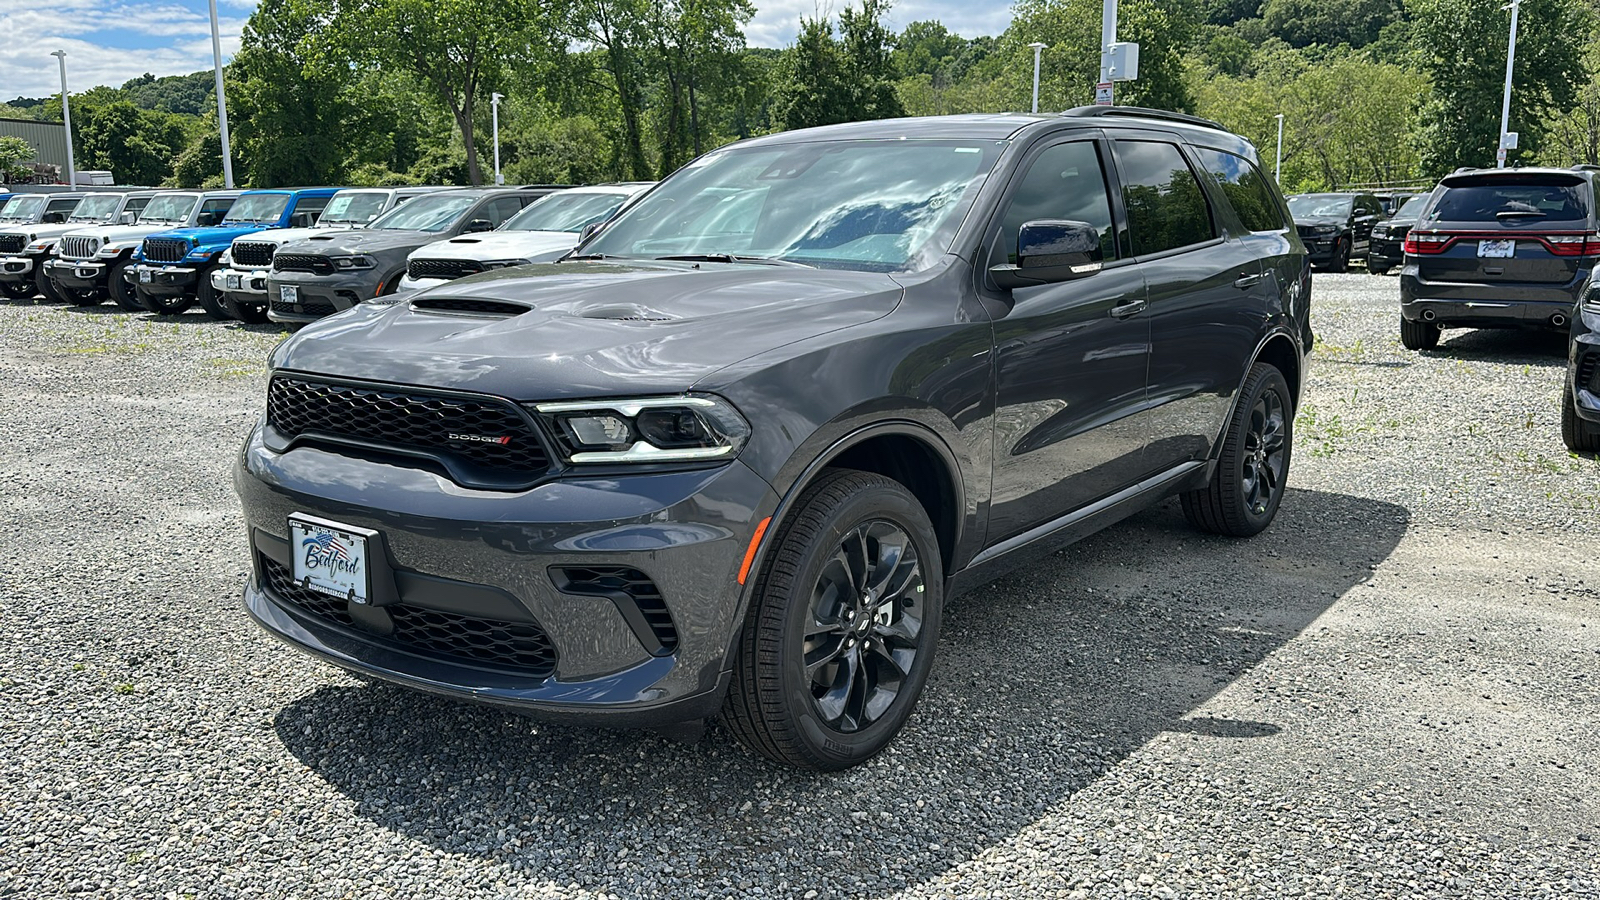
point(590, 257)
point(731, 258)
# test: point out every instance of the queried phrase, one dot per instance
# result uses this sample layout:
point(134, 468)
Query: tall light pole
point(1505, 102)
point(494, 111)
point(222, 100)
point(1277, 164)
point(66, 117)
point(1037, 49)
point(1108, 36)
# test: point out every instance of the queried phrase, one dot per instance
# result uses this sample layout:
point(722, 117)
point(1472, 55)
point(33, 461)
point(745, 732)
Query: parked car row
point(289, 255)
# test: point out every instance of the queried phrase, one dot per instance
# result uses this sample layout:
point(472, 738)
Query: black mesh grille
point(609, 580)
point(485, 435)
point(253, 253)
point(443, 268)
point(301, 262)
point(310, 306)
point(1307, 230)
point(12, 243)
point(518, 646)
point(165, 250)
point(78, 247)
point(468, 304)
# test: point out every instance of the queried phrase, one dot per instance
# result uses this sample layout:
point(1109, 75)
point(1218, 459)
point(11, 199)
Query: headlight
point(1326, 229)
point(38, 247)
point(651, 430)
point(354, 262)
point(198, 253)
point(113, 249)
point(226, 259)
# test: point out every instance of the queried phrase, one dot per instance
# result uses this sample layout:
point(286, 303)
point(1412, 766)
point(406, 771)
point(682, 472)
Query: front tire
point(121, 291)
point(164, 305)
point(1418, 335)
point(1579, 435)
point(251, 313)
point(843, 621)
point(16, 290)
point(44, 286)
point(1252, 470)
point(210, 298)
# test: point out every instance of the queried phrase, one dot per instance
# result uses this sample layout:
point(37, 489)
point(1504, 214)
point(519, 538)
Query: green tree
point(1331, 22)
point(823, 81)
point(1463, 43)
point(288, 112)
point(616, 28)
point(15, 154)
point(927, 48)
point(136, 145)
point(869, 61)
point(189, 95)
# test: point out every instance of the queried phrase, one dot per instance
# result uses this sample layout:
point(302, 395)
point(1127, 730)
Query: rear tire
point(210, 298)
point(120, 290)
point(1418, 335)
point(1376, 268)
point(843, 620)
point(1579, 435)
point(1252, 470)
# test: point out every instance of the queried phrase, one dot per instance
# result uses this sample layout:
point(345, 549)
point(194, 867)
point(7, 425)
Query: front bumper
point(318, 296)
point(1481, 305)
point(490, 555)
point(1387, 254)
point(81, 274)
point(241, 281)
point(407, 283)
point(162, 280)
point(16, 268)
point(1583, 365)
point(1320, 250)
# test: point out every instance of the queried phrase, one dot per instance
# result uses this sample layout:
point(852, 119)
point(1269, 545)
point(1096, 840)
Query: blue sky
point(111, 41)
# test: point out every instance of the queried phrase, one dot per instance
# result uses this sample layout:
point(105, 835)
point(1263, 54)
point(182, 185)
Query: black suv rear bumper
point(1479, 305)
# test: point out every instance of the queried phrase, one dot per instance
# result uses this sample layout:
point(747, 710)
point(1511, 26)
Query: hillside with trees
point(397, 91)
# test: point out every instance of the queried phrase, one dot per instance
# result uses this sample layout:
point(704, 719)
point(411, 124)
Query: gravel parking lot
point(1392, 693)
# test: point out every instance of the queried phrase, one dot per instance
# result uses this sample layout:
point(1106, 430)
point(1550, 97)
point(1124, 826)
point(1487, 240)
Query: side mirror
point(589, 231)
point(129, 218)
point(477, 225)
point(1050, 251)
point(208, 219)
point(55, 218)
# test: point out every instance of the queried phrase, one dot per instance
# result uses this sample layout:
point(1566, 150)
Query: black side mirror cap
point(477, 225)
point(1051, 251)
point(589, 231)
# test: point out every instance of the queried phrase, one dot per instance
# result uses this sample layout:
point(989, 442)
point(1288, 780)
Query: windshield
point(565, 211)
point(353, 208)
point(431, 214)
point(864, 205)
point(1308, 206)
point(23, 208)
point(165, 208)
point(1413, 207)
point(1505, 200)
point(99, 208)
point(257, 209)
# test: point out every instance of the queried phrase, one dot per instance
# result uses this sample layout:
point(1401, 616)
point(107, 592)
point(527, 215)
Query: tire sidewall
point(1271, 380)
point(833, 749)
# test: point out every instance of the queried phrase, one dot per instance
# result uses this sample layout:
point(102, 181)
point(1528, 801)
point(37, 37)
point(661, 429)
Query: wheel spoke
point(831, 704)
point(829, 652)
point(855, 555)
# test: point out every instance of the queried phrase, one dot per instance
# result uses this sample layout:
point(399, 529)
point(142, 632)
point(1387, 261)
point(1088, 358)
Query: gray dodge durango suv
point(736, 453)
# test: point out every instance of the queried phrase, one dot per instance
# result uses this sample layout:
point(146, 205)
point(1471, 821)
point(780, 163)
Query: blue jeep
point(173, 268)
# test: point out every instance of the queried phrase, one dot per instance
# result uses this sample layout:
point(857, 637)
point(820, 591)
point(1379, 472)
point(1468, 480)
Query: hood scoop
point(465, 240)
point(470, 306)
point(320, 237)
point(624, 312)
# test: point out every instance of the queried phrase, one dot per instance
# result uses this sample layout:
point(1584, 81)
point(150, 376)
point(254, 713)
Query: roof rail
point(1140, 112)
point(1586, 167)
point(1460, 169)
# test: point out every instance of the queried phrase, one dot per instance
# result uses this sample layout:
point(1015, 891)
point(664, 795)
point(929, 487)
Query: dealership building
point(48, 140)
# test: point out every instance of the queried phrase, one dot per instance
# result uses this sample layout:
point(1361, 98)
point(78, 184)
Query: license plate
point(288, 293)
point(233, 282)
point(1497, 249)
point(144, 276)
point(331, 558)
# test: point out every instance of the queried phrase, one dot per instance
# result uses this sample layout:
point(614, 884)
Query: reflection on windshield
point(258, 209)
point(353, 208)
point(431, 214)
point(1311, 205)
point(96, 209)
point(564, 211)
point(165, 208)
point(1412, 207)
point(23, 207)
point(864, 205)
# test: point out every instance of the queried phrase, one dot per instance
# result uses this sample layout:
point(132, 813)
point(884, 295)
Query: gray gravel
point(1392, 693)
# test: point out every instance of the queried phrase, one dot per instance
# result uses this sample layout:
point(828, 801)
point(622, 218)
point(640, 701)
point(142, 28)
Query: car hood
point(112, 234)
point(47, 231)
point(499, 245)
point(281, 236)
point(334, 243)
point(592, 329)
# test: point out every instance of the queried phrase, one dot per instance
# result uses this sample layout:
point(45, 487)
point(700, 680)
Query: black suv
point(1580, 395)
point(1386, 248)
point(1498, 248)
point(736, 453)
point(1335, 227)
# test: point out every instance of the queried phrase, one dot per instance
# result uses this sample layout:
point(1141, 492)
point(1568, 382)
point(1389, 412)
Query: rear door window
point(1166, 208)
point(1248, 191)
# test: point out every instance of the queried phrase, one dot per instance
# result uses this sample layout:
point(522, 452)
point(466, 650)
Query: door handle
point(1246, 282)
point(1129, 308)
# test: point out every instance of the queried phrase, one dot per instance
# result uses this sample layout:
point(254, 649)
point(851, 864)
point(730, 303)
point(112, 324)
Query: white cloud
point(776, 21)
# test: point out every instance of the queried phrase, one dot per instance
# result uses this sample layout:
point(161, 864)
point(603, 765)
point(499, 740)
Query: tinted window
point(1067, 181)
point(431, 214)
point(65, 206)
point(1508, 200)
point(135, 205)
point(504, 208)
point(1166, 208)
point(1248, 191)
point(217, 205)
point(312, 205)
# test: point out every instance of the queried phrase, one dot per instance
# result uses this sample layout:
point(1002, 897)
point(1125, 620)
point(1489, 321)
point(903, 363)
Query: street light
point(1277, 165)
point(1505, 102)
point(494, 111)
point(222, 100)
point(66, 118)
point(1037, 48)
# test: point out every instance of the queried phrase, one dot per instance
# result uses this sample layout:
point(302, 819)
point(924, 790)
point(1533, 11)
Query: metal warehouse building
point(48, 139)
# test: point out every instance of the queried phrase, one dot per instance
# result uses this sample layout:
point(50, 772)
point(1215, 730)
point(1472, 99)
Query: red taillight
point(1423, 244)
point(1573, 244)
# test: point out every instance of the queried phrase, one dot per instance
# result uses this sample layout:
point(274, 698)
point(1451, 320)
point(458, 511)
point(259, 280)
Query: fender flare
point(1238, 390)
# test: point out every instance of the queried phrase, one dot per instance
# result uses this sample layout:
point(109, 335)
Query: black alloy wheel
point(121, 291)
point(17, 290)
point(84, 296)
point(840, 635)
point(1341, 257)
point(43, 286)
point(1253, 467)
point(1579, 435)
point(210, 298)
point(164, 304)
point(250, 311)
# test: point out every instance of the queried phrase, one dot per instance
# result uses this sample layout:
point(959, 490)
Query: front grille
point(519, 646)
point(165, 250)
point(616, 582)
point(422, 423)
point(302, 262)
point(310, 306)
point(72, 247)
point(1308, 231)
point(256, 254)
point(12, 243)
point(1589, 373)
point(443, 268)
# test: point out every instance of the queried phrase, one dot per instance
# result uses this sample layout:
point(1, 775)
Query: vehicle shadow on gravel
point(194, 316)
point(1044, 682)
point(1544, 349)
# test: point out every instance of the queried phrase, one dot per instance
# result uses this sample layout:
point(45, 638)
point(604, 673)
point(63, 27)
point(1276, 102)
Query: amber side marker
point(750, 554)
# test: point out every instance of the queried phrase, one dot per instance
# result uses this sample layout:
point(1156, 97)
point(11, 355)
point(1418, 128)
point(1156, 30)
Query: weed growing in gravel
point(124, 687)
